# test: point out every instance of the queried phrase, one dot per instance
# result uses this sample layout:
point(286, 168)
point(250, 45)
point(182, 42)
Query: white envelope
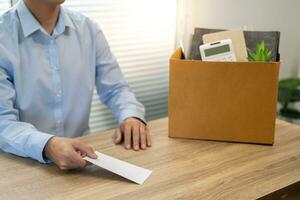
point(124, 169)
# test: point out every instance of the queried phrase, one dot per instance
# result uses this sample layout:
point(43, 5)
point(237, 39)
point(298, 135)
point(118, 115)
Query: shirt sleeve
point(17, 137)
point(111, 85)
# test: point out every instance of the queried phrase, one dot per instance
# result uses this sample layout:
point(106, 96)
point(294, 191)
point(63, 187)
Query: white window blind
point(141, 34)
point(4, 5)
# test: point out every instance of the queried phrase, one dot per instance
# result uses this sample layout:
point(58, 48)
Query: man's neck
point(46, 14)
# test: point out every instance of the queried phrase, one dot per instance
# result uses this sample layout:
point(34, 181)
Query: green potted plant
point(261, 53)
point(289, 92)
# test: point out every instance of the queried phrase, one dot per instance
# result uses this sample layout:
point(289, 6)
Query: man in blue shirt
point(50, 60)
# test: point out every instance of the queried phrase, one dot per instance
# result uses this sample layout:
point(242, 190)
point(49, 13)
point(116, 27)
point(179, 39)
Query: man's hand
point(68, 153)
point(134, 134)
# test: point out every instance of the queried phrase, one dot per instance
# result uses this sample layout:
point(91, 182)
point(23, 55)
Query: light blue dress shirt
point(47, 81)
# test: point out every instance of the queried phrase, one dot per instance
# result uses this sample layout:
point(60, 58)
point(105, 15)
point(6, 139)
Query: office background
point(143, 33)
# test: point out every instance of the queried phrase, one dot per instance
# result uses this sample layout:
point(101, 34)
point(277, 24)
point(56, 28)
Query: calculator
point(218, 51)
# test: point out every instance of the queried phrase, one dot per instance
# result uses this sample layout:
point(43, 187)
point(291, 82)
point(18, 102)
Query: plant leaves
point(261, 54)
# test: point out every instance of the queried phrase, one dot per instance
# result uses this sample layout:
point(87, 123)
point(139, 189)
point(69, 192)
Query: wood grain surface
point(182, 169)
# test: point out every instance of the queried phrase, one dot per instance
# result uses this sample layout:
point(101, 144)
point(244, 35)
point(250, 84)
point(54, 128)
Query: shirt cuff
point(36, 144)
point(131, 113)
point(145, 123)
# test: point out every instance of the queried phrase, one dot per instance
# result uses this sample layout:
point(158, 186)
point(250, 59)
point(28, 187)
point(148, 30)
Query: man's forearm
point(23, 139)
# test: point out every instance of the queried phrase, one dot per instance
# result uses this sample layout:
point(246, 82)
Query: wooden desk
point(182, 169)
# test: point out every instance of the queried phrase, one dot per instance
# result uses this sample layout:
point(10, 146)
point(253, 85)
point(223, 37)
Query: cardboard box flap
point(177, 55)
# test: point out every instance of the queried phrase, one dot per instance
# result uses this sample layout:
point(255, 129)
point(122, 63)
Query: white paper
point(124, 169)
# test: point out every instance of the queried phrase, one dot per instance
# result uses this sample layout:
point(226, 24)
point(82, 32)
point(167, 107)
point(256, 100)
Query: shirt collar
point(30, 24)
point(67, 21)
point(63, 22)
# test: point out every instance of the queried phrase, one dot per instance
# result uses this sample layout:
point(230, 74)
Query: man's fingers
point(73, 160)
point(148, 137)
point(118, 136)
point(85, 149)
point(77, 161)
point(68, 153)
point(82, 154)
point(136, 137)
point(127, 136)
point(142, 137)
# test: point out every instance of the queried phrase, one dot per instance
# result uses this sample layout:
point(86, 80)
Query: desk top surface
point(182, 169)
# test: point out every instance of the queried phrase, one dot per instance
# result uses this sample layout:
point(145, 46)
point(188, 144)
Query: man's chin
point(54, 2)
point(60, 1)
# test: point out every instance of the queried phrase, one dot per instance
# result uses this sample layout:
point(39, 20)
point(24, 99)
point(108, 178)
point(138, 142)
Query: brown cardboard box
point(225, 101)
